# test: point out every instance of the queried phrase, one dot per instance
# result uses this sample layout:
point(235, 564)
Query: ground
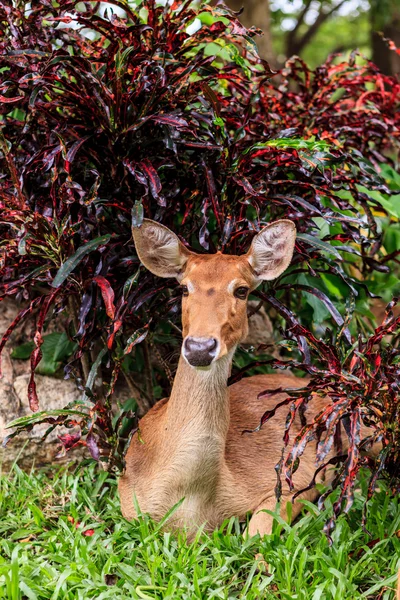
point(62, 537)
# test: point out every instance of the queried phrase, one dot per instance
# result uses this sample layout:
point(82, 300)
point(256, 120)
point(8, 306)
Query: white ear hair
point(159, 249)
point(272, 249)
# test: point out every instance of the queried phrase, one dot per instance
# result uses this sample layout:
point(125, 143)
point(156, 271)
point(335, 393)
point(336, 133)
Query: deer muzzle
point(200, 352)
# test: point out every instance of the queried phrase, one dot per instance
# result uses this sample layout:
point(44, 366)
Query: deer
point(190, 451)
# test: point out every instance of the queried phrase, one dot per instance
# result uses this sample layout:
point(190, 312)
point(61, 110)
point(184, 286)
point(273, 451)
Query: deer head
point(215, 287)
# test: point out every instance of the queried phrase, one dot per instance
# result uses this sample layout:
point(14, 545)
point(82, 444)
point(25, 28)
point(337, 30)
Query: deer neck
point(197, 416)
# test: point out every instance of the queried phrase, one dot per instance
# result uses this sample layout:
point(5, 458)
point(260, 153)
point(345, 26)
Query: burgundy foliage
point(139, 117)
point(362, 385)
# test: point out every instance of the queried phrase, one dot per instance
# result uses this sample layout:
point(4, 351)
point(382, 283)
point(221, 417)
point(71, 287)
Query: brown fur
point(202, 455)
point(398, 586)
point(192, 445)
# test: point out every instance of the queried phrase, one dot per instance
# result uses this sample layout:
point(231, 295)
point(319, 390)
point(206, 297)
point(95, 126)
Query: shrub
point(362, 382)
point(107, 116)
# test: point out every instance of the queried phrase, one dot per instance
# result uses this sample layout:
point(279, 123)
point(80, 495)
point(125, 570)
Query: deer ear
point(160, 250)
point(272, 249)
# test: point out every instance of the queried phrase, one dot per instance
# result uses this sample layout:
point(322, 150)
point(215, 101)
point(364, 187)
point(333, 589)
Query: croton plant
point(111, 111)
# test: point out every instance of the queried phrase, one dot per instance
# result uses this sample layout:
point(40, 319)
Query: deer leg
point(261, 522)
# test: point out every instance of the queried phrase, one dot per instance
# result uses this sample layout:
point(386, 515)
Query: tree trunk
point(386, 23)
point(257, 13)
point(295, 43)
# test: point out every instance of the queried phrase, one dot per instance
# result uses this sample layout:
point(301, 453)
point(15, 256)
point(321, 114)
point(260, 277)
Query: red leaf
point(69, 440)
point(110, 341)
point(212, 193)
point(353, 363)
point(32, 393)
point(246, 185)
point(36, 355)
point(153, 179)
point(92, 446)
point(6, 100)
point(170, 120)
point(16, 322)
point(88, 532)
point(108, 295)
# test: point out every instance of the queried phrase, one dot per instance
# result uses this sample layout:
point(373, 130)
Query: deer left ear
point(271, 250)
point(160, 250)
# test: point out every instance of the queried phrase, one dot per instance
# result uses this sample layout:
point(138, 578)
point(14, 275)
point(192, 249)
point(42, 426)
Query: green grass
point(44, 555)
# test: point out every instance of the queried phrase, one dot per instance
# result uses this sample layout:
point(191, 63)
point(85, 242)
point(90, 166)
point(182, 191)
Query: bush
point(106, 116)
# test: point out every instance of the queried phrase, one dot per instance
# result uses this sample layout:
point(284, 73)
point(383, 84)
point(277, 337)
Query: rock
point(52, 392)
point(260, 330)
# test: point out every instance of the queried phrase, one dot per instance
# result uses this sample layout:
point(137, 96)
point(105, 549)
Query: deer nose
point(200, 352)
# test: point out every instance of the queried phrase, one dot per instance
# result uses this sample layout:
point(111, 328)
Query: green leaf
point(391, 204)
point(320, 312)
point(47, 367)
point(219, 121)
point(132, 280)
point(137, 214)
point(391, 238)
point(121, 59)
point(19, 534)
point(296, 143)
point(136, 338)
point(93, 372)
point(209, 19)
point(30, 594)
point(44, 414)
point(73, 261)
point(333, 285)
point(317, 243)
point(391, 176)
point(23, 351)
point(22, 246)
point(389, 581)
point(56, 348)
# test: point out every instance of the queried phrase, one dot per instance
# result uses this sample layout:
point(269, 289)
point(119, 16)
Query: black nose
point(199, 352)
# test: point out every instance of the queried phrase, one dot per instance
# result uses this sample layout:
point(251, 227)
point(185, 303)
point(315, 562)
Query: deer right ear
point(160, 250)
point(271, 250)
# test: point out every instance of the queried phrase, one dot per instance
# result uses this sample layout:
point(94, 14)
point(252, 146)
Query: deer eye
point(185, 291)
point(241, 293)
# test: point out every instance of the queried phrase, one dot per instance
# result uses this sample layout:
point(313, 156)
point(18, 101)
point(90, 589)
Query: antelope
point(191, 446)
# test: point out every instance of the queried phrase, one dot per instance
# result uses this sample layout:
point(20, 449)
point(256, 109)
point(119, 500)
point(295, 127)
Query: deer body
point(203, 457)
point(192, 446)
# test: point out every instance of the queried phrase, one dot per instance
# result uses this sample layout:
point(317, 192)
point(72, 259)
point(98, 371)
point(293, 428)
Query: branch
point(148, 371)
point(143, 401)
point(74, 311)
point(13, 170)
point(301, 17)
point(295, 46)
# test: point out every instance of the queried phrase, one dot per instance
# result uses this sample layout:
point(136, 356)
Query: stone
point(27, 447)
point(53, 393)
point(260, 330)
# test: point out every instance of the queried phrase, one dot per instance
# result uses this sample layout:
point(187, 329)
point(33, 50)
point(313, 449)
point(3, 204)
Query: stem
point(164, 364)
point(175, 327)
point(255, 309)
point(140, 396)
point(98, 382)
point(148, 372)
point(74, 313)
point(13, 170)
